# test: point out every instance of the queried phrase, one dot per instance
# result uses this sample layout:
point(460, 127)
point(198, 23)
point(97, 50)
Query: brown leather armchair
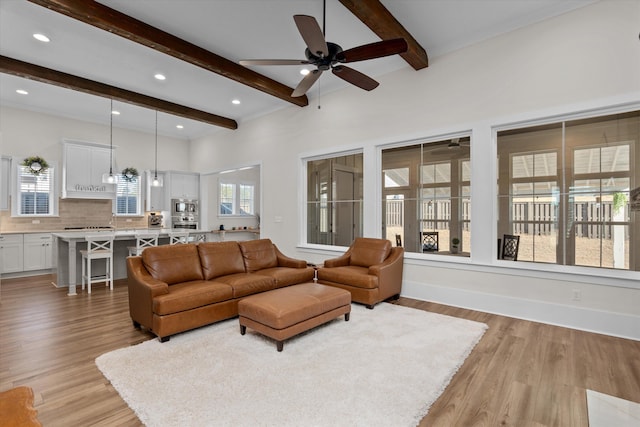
point(371, 270)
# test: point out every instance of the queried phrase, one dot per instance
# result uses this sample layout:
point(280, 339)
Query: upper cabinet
point(156, 200)
point(183, 185)
point(82, 167)
point(5, 182)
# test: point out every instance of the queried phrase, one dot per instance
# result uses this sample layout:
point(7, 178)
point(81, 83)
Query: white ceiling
point(234, 29)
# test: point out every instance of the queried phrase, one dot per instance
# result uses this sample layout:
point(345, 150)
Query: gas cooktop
point(91, 227)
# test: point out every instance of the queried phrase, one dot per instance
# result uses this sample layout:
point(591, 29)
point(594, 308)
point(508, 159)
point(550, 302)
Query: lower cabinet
point(38, 251)
point(26, 252)
point(11, 253)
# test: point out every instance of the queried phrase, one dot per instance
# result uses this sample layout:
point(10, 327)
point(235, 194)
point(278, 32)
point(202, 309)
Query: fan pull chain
point(318, 94)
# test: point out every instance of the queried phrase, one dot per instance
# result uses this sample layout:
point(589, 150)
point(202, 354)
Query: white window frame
point(138, 195)
point(16, 205)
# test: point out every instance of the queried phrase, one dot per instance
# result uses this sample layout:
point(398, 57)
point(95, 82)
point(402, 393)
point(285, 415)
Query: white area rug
point(609, 411)
point(385, 367)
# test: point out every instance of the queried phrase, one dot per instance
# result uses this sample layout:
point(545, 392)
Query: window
point(565, 187)
point(246, 199)
point(427, 188)
point(227, 199)
point(128, 196)
point(237, 199)
point(334, 200)
point(36, 192)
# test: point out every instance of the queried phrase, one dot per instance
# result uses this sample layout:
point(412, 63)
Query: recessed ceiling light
point(115, 113)
point(160, 76)
point(41, 37)
point(180, 126)
point(22, 92)
point(304, 71)
point(235, 102)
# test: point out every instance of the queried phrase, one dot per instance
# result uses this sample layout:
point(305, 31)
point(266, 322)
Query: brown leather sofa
point(175, 288)
point(371, 270)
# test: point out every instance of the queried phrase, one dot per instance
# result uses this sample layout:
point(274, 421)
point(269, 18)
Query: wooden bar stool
point(99, 246)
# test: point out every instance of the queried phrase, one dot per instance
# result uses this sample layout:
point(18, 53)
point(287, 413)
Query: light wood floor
point(520, 374)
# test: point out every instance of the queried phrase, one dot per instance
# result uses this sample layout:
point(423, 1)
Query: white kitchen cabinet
point(184, 185)
point(83, 166)
point(5, 182)
point(156, 196)
point(38, 250)
point(11, 253)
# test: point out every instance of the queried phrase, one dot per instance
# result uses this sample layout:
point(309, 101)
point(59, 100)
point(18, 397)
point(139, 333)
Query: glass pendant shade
point(109, 178)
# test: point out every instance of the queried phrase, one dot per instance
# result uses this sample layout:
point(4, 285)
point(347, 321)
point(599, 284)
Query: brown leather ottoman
point(285, 312)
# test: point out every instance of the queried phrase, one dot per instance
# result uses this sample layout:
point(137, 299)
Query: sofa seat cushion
point(349, 275)
point(190, 295)
point(286, 276)
point(244, 284)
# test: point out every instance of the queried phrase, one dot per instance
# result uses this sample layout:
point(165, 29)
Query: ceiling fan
point(454, 147)
point(330, 56)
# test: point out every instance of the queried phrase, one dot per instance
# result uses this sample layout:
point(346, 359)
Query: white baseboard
point(585, 319)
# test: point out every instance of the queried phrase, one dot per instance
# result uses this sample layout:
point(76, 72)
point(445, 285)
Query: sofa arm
point(390, 273)
point(285, 261)
point(341, 261)
point(143, 288)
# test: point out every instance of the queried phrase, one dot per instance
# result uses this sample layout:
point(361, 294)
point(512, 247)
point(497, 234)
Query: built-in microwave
point(181, 207)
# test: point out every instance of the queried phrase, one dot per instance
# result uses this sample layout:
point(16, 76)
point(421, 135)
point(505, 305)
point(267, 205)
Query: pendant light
point(157, 182)
point(110, 178)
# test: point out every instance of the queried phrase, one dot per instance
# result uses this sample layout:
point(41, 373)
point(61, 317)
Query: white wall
point(26, 133)
point(589, 58)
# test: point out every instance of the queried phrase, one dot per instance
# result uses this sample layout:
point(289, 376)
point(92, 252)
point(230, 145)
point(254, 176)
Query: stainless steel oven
point(184, 213)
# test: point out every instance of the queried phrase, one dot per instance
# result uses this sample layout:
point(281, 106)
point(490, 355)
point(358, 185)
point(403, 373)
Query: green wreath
point(35, 165)
point(129, 174)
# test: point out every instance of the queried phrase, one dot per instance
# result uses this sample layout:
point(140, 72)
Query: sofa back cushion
point(366, 252)
point(258, 254)
point(220, 258)
point(173, 263)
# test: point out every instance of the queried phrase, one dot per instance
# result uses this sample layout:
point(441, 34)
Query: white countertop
point(121, 234)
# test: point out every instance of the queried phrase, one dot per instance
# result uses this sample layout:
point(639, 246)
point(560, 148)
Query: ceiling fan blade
point(373, 50)
point(306, 83)
point(312, 34)
point(355, 77)
point(273, 62)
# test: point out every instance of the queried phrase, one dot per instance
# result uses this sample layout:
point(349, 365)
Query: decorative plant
point(129, 174)
point(36, 164)
point(455, 242)
point(619, 201)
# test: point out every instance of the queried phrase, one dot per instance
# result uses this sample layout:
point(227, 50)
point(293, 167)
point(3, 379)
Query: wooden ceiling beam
point(378, 18)
point(47, 75)
point(113, 21)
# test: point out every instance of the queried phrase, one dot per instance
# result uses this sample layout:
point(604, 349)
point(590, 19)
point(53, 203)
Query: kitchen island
point(67, 246)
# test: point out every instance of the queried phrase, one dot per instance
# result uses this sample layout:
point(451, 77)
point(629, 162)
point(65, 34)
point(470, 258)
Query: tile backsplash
point(72, 213)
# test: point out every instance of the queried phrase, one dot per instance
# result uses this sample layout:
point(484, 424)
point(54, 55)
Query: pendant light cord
point(156, 170)
point(111, 139)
